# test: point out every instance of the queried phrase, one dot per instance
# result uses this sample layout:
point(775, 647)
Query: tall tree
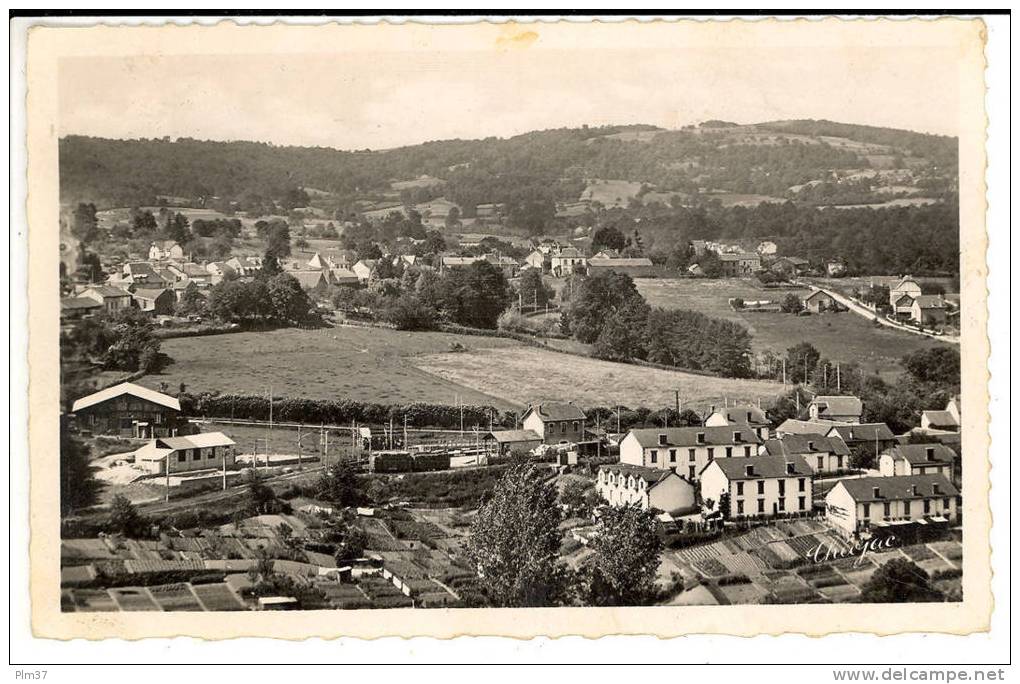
point(598, 297)
point(625, 558)
point(515, 541)
point(900, 581)
point(78, 485)
point(339, 484)
point(474, 295)
point(84, 223)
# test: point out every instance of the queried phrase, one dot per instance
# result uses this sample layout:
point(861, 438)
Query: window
point(573, 426)
point(747, 452)
point(690, 455)
point(690, 472)
point(182, 456)
point(711, 453)
point(761, 505)
point(158, 419)
point(563, 428)
point(800, 503)
point(782, 487)
point(740, 489)
point(196, 454)
point(801, 484)
point(821, 463)
point(654, 455)
point(672, 455)
point(945, 504)
point(782, 504)
point(906, 508)
point(867, 511)
point(927, 506)
point(761, 486)
point(740, 507)
point(885, 509)
point(729, 452)
point(839, 462)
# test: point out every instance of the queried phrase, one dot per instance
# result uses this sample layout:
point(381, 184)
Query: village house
point(451, 262)
point(245, 266)
point(749, 415)
point(77, 308)
point(792, 426)
point(145, 275)
point(903, 306)
point(504, 442)
point(873, 437)
point(165, 250)
point(635, 267)
point(647, 488)
point(928, 310)
point(820, 301)
point(537, 259)
point(790, 265)
point(220, 271)
point(555, 422)
point(202, 451)
point(687, 449)
point(947, 420)
point(740, 265)
point(363, 269)
point(567, 261)
point(906, 286)
point(508, 265)
point(822, 454)
point(128, 410)
point(113, 299)
point(760, 485)
point(918, 459)
point(314, 282)
point(343, 276)
point(858, 505)
point(838, 408)
point(158, 302)
point(193, 272)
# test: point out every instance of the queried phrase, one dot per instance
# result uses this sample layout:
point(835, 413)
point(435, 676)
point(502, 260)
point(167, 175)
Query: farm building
point(128, 410)
point(687, 449)
point(363, 269)
point(790, 265)
point(567, 261)
point(822, 454)
point(648, 488)
point(165, 250)
point(343, 276)
point(740, 415)
point(112, 299)
point(536, 259)
point(504, 442)
point(76, 308)
point(555, 422)
point(204, 451)
point(928, 310)
point(741, 265)
point(906, 286)
point(876, 437)
point(863, 504)
point(842, 409)
point(760, 485)
point(314, 282)
point(947, 419)
point(157, 302)
point(917, 459)
point(820, 301)
point(634, 267)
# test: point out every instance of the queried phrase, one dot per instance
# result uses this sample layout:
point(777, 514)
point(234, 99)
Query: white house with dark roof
point(687, 449)
point(822, 454)
point(648, 488)
point(128, 410)
point(113, 299)
point(164, 250)
point(555, 422)
point(857, 505)
point(839, 408)
point(874, 436)
point(203, 451)
point(741, 414)
point(928, 310)
point(917, 459)
point(567, 261)
point(906, 286)
point(792, 426)
point(760, 485)
point(512, 441)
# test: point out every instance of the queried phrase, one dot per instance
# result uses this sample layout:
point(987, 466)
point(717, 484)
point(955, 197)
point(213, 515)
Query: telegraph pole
point(837, 379)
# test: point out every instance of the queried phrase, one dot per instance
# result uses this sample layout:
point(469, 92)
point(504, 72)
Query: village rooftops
point(762, 467)
point(862, 432)
point(127, 388)
point(650, 475)
point(105, 291)
point(838, 405)
point(919, 454)
point(940, 419)
point(569, 252)
point(897, 488)
point(149, 293)
point(740, 256)
point(752, 415)
point(556, 411)
point(620, 261)
point(202, 440)
point(930, 301)
point(79, 303)
point(806, 444)
point(694, 436)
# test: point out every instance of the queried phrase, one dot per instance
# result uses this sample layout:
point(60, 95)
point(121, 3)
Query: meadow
point(838, 336)
point(364, 364)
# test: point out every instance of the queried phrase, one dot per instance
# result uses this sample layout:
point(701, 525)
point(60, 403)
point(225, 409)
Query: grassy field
point(525, 374)
point(365, 364)
point(839, 337)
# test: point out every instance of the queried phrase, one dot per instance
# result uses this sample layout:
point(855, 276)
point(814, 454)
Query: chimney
point(876, 493)
point(749, 470)
point(929, 453)
point(790, 469)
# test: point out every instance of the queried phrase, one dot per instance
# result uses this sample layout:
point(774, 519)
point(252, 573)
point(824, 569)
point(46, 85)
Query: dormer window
point(736, 436)
point(701, 438)
point(748, 416)
point(749, 470)
point(811, 446)
point(935, 488)
point(662, 438)
point(790, 469)
point(929, 452)
point(913, 490)
point(876, 493)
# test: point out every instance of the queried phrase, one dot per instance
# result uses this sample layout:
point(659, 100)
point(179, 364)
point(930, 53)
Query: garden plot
point(748, 593)
point(175, 597)
point(94, 601)
point(132, 599)
point(217, 597)
point(952, 551)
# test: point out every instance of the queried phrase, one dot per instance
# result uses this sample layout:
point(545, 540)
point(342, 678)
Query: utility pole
point(784, 372)
point(617, 419)
point(168, 476)
point(225, 470)
point(405, 432)
point(299, 446)
point(677, 393)
point(837, 379)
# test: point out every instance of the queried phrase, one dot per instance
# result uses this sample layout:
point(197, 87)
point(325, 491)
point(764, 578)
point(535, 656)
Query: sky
point(378, 100)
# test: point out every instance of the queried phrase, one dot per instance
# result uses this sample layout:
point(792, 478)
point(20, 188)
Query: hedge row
point(340, 411)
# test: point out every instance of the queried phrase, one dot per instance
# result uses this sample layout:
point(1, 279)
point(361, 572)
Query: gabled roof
point(940, 418)
point(905, 280)
point(930, 301)
point(79, 303)
point(652, 476)
point(105, 291)
point(202, 440)
point(863, 489)
point(739, 414)
point(862, 432)
point(806, 444)
point(127, 388)
point(817, 293)
point(917, 454)
point(511, 436)
point(688, 436)
point(343, 273)
point(555, 410)
point(742, 256)
point(149, 293)
point(762, 467)
point(838, 405)
point(806, 427)
point(609, 263)
point(308, 278)
point(569, 252)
